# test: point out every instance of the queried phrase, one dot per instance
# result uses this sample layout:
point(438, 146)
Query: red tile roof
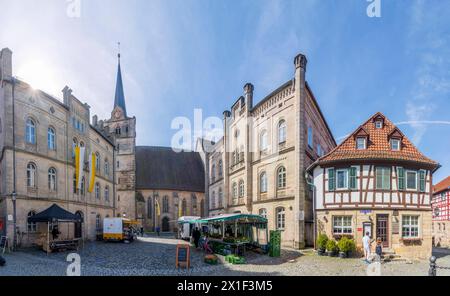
point(441, 186)
point(378, 146)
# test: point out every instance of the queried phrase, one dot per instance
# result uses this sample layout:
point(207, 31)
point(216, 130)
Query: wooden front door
point(382, 230)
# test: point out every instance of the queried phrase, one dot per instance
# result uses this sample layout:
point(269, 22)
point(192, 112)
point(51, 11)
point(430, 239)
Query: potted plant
point(332, 248)
point(346, 247)
point(322, 244)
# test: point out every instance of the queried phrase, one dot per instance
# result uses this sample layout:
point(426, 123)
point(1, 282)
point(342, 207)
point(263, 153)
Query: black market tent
point(55, 214)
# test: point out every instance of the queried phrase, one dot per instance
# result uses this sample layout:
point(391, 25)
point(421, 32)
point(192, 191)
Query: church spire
point(119, 100)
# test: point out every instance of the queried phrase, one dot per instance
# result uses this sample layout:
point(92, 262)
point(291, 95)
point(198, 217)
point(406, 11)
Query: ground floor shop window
point(342, 225)
point(410, 226)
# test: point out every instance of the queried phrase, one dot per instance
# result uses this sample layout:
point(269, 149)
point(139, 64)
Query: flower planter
point(343, 255)
point(332, 253)
point(321, 252)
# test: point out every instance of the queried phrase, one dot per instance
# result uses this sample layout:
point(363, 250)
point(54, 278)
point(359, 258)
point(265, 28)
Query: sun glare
point(39, 75)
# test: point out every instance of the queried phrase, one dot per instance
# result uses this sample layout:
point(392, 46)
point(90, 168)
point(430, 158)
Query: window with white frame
point(263, 182)
point(107, 193)
point(74, 145)
point(220, 168)
point(30, 134)
point(83, 187)
point(52, 179)
point(282, 132)
point(97, 190)
point(342, 225)
point(106, 167)
point(241, 189)
point(310, 137)
point(411, 180)
point(341, 179)
point(410, 226)
point(31, 175)
point(281, 218)
point(383, 178)
point(379, 124)
point(97, 162)
point(395, 144)
point(263, 141)
point(235, 191)
point(51, 139)
point(281, 178)
point(361, 143)
point(31, 227)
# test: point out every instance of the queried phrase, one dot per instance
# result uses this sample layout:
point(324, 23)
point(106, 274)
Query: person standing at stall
point(196, 236)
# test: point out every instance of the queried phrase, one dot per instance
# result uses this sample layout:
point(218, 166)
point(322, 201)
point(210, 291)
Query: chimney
point(67, 92)
point(300, 61)
point(95, 120)
point(5, 64)
point(248, 94)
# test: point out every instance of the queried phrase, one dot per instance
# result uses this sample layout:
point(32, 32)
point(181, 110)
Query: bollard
point(432, 271)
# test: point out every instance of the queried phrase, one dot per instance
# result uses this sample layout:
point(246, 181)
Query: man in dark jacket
point(196, 236)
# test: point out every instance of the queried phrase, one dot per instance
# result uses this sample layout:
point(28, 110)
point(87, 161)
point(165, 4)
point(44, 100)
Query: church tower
point(122, 129)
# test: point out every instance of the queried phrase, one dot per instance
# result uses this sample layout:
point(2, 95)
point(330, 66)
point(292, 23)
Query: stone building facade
point(169, 185)
point(259, 165)
point(441, 213)
point(376, 181)
point(38, 134)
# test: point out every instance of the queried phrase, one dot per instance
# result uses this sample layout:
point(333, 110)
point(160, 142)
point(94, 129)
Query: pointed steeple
point(119, 100)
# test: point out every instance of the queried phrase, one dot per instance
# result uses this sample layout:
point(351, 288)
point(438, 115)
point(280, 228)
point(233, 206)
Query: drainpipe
point(14, 193)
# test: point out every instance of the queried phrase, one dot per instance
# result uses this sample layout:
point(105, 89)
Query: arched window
point(263, 141)
point(281, 131)
point(263, 213)
point(30, 135)
point(235, 191)
point(97, 162)
point(194, 203)
point(281, 178)
point(118, 130)
point(97, 190)
point(74, 145)
point(281, 218)
point(165, 204)
point(51, 138)
point(31, 175)
point(220, 168)
point(98, 222)
point(31, 227)
point(106, 167)
point(150, 208)
point(241, 188)
point(83, 186)
point(52, 179)
point(263, 182)
point(183, 207)
point(107, 193)
point(213, 200)
point(220, 197)
point(213, 172)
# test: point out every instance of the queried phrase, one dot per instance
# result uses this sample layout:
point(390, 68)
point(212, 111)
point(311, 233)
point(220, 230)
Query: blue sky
point(181, 55)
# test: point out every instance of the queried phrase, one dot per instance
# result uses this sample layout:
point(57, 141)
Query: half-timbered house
point(441, 213)
point(376, 181)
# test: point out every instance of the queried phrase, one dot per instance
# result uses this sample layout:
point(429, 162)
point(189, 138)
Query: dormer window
point(361, 143)
point(395, 144)
point(379, 124)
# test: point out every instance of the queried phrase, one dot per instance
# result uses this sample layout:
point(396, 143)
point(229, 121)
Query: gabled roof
point(442, 186)
point(161, 168)
point(378, 147)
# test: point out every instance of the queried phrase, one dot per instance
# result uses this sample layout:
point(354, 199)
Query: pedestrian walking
point(366, 246)
point(158, 230)
point(379, 249)
point(196, 236)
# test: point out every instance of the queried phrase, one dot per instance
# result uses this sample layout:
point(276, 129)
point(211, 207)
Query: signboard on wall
point(367, 228)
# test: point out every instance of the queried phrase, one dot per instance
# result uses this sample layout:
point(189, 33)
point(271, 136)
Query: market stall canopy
point(233, 217)
point(55, 213)
point(189, 219)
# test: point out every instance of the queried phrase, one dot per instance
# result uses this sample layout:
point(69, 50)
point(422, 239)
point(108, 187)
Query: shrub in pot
point(322, 244)
point(346, 247)
point(332, 248)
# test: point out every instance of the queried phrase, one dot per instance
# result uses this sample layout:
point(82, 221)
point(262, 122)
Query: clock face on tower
point(117, 114)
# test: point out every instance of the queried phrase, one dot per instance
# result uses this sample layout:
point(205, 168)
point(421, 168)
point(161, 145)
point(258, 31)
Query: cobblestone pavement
point(156, 256)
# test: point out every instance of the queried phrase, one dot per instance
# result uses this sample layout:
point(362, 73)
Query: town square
point(142, 148)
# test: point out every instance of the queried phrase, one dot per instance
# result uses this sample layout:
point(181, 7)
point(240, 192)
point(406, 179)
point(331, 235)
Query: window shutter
point(353, 178)
point(401, 178)
point(422, 180)
point(331, 180)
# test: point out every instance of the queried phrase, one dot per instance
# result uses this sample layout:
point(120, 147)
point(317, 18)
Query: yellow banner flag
point(179, 211)
point(158, 210)
point(93, 168)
